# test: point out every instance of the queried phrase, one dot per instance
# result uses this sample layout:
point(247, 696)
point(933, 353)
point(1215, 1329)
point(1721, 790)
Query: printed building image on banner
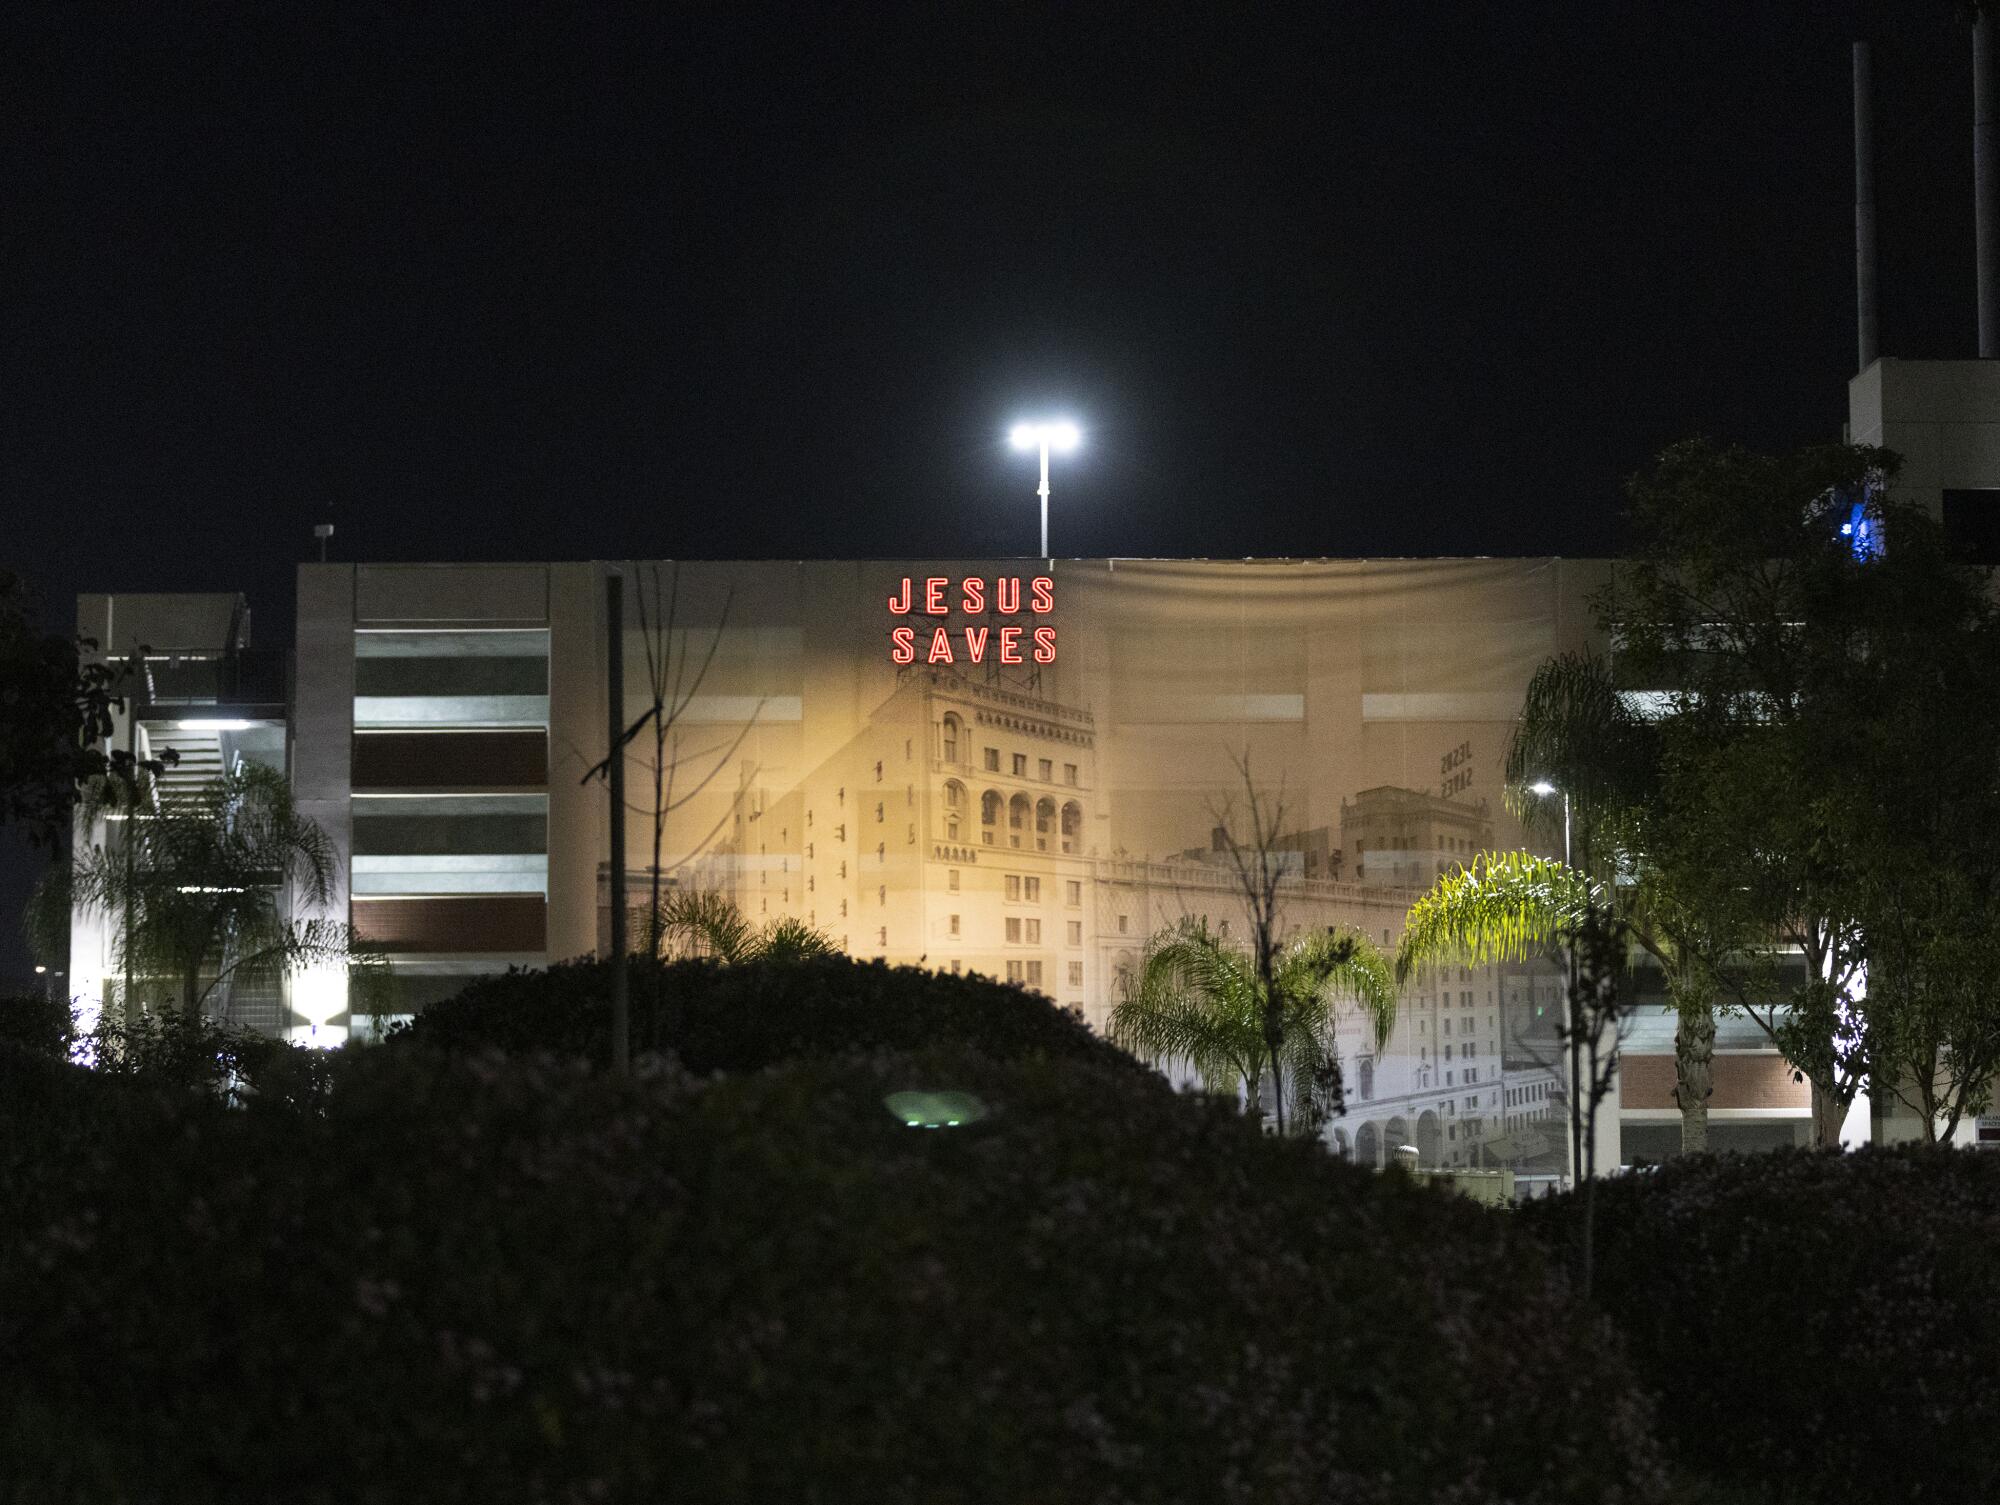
point(1020, 770)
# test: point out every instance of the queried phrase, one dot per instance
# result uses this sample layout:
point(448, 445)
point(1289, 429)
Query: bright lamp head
point(1060, 435)
point(1542, 787)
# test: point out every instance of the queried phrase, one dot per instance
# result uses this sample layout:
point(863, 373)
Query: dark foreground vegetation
point(446, 1270)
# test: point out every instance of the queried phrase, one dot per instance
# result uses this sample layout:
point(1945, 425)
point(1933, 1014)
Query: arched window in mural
point(1072, 827)
point(1017, 818)
point(954, 808)
point(951, 730)
point(1045, 820)
point(1365, 1088)
point(989, 814)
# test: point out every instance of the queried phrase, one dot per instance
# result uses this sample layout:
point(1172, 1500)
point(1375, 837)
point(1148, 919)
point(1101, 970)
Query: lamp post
point(1057, 434)
point(1544, 788)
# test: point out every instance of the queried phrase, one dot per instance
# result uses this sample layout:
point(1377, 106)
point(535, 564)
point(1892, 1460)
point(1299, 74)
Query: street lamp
point(1057, 434)
point(1544, 789)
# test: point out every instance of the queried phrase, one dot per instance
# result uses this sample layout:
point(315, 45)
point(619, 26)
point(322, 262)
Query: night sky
point(490, 281)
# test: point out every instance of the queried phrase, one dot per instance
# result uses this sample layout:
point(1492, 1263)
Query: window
point(954, 924)
point(1013, 930)
point(951, 880)
point(1076, 932)
point(989, 814)
point(1014, 971)
point(954, 966)
point(951, 828)
point(882, 894)
point(1073, 892)
point(878, 770)
point(950, 738)
point(1069, 773)
point(1076, 974)
point(1034, 932)
point(878, 812)
point(1121, 924)
point(1046, 770)
point(1020, 764)
point(882, 936)
point(1034, 974)
point(992, 760)
point(1031, 890)
point(1014, 886)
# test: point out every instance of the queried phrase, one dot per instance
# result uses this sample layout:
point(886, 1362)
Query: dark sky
point(716, 279)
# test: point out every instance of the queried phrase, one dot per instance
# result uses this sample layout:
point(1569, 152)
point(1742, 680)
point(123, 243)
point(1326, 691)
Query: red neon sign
point(934, 597)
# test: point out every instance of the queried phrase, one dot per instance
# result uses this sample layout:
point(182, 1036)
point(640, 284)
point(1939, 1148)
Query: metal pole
point(131, 848)
point(1986, 183)
point(614, 696)
point(1575, 1034)
point(1864, 205)
point(1045, 498)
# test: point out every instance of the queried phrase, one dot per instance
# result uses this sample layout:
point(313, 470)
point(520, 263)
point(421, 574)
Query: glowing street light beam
point(1058, 434)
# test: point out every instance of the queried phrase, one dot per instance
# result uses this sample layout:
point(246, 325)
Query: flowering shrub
point(1812, 1322)
point(741, 1017)
point(481, 1278)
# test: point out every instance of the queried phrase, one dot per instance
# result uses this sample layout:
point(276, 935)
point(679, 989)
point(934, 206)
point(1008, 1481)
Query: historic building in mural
point(965, 765)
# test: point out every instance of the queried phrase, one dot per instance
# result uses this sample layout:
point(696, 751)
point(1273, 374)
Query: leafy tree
point(1633, 859)
point(1201, 1000)
point(55, 712)
point(1809, 681)
point(193, 883)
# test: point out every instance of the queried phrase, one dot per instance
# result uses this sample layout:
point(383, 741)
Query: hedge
point(1820, 1326)
point(750, 1015)
point(476, 1279)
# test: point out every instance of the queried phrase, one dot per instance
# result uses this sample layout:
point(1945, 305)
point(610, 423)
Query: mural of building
point(1001, 767)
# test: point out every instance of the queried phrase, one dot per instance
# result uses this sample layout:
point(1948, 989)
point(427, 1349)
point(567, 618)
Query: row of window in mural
point(1019, 817)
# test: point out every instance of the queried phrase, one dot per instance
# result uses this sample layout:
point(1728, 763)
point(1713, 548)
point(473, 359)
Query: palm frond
point(1502, 906)
point(1343, 966)
point(708, 921)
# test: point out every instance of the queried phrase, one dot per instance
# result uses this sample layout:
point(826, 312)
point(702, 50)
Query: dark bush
point(1816, 1323)
point(480, 1279)
point(41, 1025)
point(750, 1015)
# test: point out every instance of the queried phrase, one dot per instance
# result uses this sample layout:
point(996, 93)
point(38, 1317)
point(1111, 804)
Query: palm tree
point(194, 886)
point(1632, 859)
point(1197, 999)
point(708, 923)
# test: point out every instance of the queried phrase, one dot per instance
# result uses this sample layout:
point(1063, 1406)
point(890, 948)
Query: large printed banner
point(1024, 769)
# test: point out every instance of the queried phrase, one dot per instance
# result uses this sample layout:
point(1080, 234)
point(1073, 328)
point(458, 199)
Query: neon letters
point(970, 596)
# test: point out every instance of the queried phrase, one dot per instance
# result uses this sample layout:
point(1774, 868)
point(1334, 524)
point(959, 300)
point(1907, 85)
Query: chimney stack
point(1864, 210)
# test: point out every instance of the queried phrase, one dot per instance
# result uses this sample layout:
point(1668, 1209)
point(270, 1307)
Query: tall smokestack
point(1864, 207)
point(1986, 183)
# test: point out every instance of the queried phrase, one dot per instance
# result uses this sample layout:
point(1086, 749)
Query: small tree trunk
point(1694, 1063)
point(1827, 1113)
